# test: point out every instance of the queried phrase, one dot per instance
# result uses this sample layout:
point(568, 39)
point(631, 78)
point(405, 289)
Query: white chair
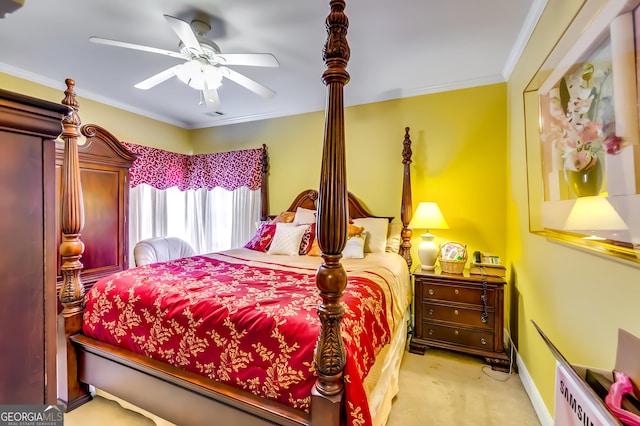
point(161, 249)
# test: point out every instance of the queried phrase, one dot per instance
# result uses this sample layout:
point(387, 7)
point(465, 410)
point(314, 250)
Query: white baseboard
point(534, 396)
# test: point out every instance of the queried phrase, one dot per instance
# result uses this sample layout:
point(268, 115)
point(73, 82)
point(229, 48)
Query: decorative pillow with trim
point(308, 238)
point(263, 237)
point(304, 216)
point(354, 249)
point(352, 231)
point(315, 248)
point(287, 239)
point(376, 233)
point(394, 237)
point(284, 217)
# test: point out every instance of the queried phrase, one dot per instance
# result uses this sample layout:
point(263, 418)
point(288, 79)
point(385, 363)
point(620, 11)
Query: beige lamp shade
point(593, 214)
point(428, 216)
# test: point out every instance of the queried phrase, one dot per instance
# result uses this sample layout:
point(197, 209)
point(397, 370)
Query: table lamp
point(428, 216)
point(594, 214)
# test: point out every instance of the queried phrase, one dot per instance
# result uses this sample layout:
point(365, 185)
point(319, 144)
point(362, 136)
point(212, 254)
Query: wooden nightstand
point(450, 313)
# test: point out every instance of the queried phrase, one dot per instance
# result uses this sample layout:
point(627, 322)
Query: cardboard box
point(576, 403)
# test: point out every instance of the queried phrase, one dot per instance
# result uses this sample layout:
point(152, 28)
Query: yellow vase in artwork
point(585, 182)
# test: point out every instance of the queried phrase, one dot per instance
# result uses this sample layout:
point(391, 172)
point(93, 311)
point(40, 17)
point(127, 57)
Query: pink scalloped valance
point(163, 169)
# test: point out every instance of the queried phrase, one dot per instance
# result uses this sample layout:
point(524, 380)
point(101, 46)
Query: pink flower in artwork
point(613, 144)
point(580, 118)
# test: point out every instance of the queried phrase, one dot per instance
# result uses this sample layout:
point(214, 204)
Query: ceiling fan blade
point(156, 79)
point(244, 81)
point(184, 31)
point(135, 46)
point(248, 59)
point(211, 99)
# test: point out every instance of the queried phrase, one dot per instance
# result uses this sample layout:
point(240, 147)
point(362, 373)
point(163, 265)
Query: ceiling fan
point(205, 64)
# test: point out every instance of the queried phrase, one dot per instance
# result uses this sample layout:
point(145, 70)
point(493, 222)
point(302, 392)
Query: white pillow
point(287, 239)
point(354, 248)
point(375, 229)
point(304, 216)
point(394, 238)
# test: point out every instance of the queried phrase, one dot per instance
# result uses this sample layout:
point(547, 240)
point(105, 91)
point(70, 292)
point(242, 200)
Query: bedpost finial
point(69, 94)
point(336, 51)
point(264, 159)
point(406, 150)
point(71, 122)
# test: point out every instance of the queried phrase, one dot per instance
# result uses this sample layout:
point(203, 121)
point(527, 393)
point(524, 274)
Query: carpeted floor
point(439, 388)
point(447, 388)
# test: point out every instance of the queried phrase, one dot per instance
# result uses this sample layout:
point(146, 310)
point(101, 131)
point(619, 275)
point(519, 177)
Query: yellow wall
point(459, 145)
point(124, 125)
point(578, 299)
point(459, 153)
point(459, 157)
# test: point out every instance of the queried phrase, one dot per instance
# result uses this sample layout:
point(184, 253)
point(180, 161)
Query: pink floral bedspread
point(252, 327)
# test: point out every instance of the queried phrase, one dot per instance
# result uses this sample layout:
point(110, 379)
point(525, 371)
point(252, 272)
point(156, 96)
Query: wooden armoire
point(28, 127)
point(104, 173)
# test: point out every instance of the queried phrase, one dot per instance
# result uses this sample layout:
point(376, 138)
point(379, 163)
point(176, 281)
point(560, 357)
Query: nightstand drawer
point(459, 294)
point(459, 336)
point(465, 316)
point(448, 314)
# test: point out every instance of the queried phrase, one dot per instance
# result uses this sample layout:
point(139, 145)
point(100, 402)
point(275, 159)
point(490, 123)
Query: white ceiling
point(399, 48)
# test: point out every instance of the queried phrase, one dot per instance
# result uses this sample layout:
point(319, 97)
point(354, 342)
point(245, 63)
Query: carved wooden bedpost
point(406, 211)
point(72, 393)
point(264, 190)
point(331, 278)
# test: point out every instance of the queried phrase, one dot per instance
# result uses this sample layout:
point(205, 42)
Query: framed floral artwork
point(577, 125)
point(583, 134)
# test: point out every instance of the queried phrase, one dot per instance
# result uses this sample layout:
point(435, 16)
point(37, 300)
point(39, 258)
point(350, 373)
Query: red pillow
point(307, 239)
point(262, 240)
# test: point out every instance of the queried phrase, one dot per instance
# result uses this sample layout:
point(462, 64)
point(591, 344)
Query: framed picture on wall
point(583, 134)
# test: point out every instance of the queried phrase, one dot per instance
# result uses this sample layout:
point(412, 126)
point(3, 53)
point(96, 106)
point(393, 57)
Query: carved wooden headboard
point(104, 170)
point(308, 199)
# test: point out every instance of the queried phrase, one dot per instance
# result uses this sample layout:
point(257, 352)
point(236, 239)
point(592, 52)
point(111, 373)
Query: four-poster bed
point(183, 396)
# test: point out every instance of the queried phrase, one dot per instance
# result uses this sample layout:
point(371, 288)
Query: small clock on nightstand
point(460, 312)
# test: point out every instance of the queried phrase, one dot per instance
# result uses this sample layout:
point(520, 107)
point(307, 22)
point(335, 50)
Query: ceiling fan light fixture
point(204, 65)
point(199, 75)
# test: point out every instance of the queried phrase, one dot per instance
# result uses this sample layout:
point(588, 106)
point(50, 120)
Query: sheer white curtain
point(209, 221)
point(212, 201)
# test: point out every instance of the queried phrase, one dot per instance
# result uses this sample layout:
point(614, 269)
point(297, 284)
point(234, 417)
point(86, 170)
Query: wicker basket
point(453, 266)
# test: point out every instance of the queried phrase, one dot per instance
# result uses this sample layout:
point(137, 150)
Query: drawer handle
point(456, 332)
point(456, 312)
point(431, 291)
point(456, 291)
point(483, 340)
point(430, 311)
point(431, 332)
